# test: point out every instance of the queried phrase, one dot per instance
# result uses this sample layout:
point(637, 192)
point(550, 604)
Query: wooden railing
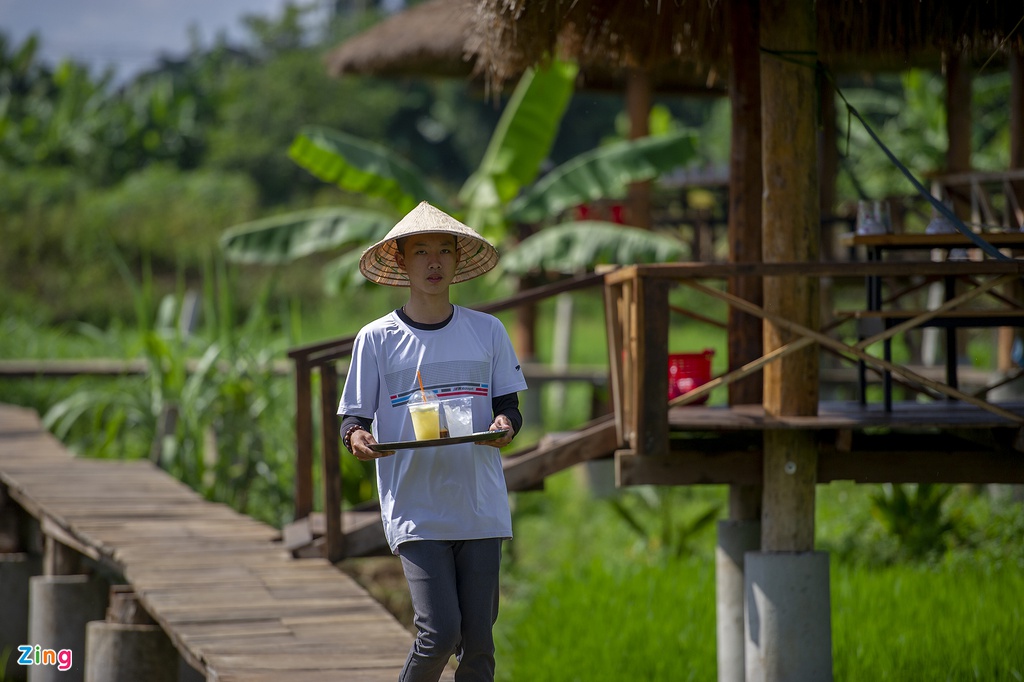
point(637, 298)
point(322, 358)
point(996, 198)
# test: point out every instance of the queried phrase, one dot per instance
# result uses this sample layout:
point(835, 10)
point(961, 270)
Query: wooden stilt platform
point(233, 601)
point(932, 442)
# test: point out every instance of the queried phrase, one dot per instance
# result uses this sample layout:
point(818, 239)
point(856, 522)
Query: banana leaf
point(343, 274)
point(603, 173)
point(576, 246)
point(356, 165)
point(521, 140)
point(283, 238)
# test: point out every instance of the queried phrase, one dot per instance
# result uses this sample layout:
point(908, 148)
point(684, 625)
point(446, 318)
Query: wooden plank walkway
point(231, 599)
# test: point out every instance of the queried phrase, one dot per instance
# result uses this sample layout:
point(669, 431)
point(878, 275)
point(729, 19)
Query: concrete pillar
point(16, 569)
point(59, 608)
point(788, 624)
point(129, 652)
point(735, 538)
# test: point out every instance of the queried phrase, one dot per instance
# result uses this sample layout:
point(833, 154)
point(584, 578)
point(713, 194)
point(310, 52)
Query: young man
point(445, 508)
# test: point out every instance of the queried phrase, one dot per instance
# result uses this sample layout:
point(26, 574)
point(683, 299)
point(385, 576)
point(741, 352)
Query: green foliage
point(908, 112)
point(602, 173)
point(521, 141)
point(59, 236)
point(512, 161)
point(66, 118)
point(658, 517)
point(600, 620)
point(573, 246)
point(912, 622)
point(916, 517)
point(363, 167)
point(229, 434)
point(309, 232)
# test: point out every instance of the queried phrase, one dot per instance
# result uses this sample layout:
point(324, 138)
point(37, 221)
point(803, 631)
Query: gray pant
point(454, 588)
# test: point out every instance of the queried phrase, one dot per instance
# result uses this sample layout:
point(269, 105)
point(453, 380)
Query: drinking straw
point(422, 392)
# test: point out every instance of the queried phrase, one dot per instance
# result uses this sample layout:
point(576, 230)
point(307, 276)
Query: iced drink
point(425, 420)
point(458, 412)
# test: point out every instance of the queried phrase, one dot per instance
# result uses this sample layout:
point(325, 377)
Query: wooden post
point(828, 161)
point(958, 160)
point(303, 439)
point(331, 462)
point(958, 125)
point(745, 342)
point(785, 637)
point(638, 102)
point(791, 219)
point(741, 533)
point(649, 344)
point(614, 311)
point(1017, 120)
point(59, 559)
point(1008, 335)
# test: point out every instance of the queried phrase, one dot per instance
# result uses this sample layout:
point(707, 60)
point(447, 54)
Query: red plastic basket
point(687, 371)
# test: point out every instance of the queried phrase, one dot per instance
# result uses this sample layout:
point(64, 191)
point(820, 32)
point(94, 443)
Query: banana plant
point(503, 191)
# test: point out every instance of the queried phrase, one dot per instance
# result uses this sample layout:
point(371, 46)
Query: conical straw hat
point(476, 255)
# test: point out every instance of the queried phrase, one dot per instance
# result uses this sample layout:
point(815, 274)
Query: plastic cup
point(458, 414)
point(426, 422)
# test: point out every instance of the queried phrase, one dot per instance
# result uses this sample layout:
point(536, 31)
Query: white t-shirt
point(453, 492)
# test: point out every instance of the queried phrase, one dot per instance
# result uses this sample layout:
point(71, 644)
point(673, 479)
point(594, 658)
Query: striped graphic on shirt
point(444, 379)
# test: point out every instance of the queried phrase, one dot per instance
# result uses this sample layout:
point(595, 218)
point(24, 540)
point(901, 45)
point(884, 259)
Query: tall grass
point(911, 622)
point(608, 621)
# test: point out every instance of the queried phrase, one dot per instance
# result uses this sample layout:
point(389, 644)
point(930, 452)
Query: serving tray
point(434, 442)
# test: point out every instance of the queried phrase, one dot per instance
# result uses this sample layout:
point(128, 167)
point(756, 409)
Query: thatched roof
point(509, 35)
point(437, 38)
point(427, 39)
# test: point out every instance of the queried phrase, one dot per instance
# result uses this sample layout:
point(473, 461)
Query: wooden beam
point(638, 103)
point(791, 232)
point(303, 439)
point(790, 474)
point(963, 464)
point(616, 353)
point(958, 124)
point(737, 467)
point(950, 466)
point(331, 463)
point(649, 348)
point(596, 440)
point(850, 270)
point(745, 333)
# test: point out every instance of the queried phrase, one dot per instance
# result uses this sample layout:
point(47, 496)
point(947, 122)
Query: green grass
point(586, 598)
point(926, 623)
point(596, 621)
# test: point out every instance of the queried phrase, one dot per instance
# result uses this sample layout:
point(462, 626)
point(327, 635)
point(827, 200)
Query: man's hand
point(501, 423)
point(361, 440)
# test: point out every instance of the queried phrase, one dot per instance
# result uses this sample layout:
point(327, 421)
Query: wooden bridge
point(212, 591)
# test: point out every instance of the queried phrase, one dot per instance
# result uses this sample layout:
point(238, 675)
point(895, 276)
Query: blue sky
point(126, 34)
